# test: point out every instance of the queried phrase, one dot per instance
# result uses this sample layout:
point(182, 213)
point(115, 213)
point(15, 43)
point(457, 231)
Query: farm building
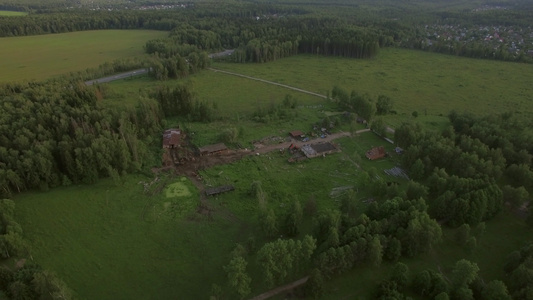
point(219, 189)
point(296, 134)
point(324, 148)
point(213, 149)
point(172, 138)
point(318, 149)
point(376, 153)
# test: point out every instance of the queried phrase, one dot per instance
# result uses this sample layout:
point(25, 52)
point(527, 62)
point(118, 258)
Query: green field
point(109, 242)
point(426, 82)
point(429, 83)
point(8, 13)
point(45, 56)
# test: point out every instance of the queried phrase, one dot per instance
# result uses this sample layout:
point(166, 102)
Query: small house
point(324, 148)
point(296, 134)
point(376, 153)
point(172, 138)
point(319, 149)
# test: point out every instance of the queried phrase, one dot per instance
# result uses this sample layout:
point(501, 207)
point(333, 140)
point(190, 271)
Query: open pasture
point(44, 56)
point(234, 97)
point(115, 242)
point(416, 81)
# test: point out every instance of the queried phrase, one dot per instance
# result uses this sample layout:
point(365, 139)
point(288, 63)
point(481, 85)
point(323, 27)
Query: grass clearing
point(235, 97)
point(10, 13)
point(95, 239)
point(415, 80)
point(44, 56)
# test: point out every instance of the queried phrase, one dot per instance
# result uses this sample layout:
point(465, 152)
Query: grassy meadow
point(429, 83)
point(44, 56)
point(426, 82)
point(9, 13)
point(115, 242)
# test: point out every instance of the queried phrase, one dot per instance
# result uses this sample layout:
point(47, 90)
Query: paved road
point(118, 76)
point(270, 82)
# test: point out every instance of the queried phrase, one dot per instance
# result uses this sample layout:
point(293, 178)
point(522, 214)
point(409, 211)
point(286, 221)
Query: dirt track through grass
point(270, 82)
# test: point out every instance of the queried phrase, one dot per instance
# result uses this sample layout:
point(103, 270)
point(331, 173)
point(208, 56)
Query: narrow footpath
point(270, 82)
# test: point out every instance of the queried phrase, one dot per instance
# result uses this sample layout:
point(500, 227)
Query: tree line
point(264, 32)
point(462, 167)
point(57, 133)
point(28, 280)
point(341, 239)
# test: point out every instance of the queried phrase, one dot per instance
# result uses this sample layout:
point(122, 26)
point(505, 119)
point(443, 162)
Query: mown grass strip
point(9, 13)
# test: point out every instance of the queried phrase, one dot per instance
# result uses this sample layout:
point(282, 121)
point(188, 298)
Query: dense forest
point(56, 134)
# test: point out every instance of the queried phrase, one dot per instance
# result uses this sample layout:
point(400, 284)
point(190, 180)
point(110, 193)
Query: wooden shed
point(296, 134)
point(213, 149)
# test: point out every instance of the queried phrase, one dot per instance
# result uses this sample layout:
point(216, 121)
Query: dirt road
point(281, 289)
point(270, 82)
point(285, 145)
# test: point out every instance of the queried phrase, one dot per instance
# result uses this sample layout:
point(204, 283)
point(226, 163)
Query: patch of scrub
point(178, 190)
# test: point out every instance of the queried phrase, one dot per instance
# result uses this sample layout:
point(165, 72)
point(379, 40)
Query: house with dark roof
point(321, 149)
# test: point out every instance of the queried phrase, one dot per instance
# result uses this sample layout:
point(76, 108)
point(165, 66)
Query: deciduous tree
point(237, 276)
